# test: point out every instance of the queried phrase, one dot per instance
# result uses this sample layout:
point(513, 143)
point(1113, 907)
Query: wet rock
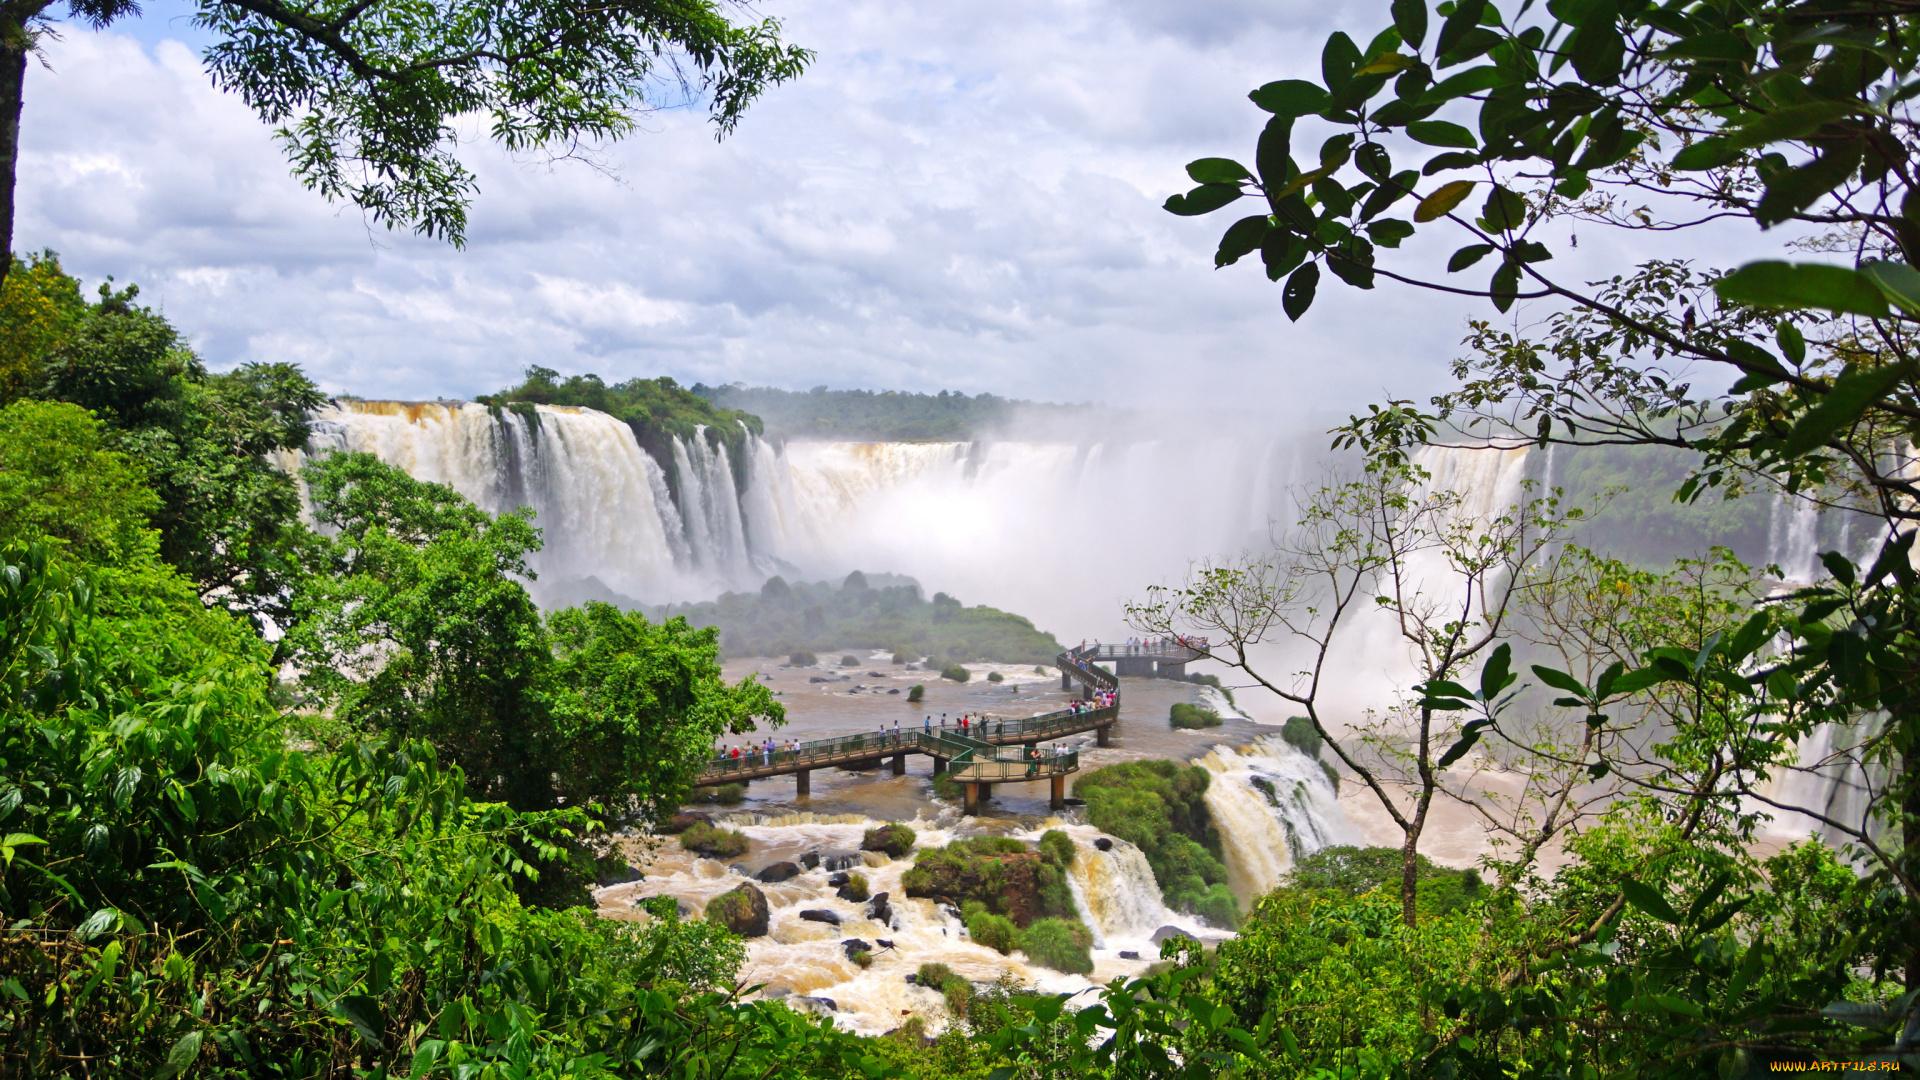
point(836, 863)
point(855, 945)
point(895, 690)
point(837, 880)
point(892, 838)
point(822, 678)
point(619, 874)
point(1070, 801)
point(810, 861)
point(1103, 843)
point(883, 943)
point(820, 915)
point(814, 1004)
point(685, 820)
point(877, 674)
point(1166, 933)
point(775, 993)
point(913, 979)
point(880, 911)
point(778, 872)
point(1129, 955)
point(742, 910)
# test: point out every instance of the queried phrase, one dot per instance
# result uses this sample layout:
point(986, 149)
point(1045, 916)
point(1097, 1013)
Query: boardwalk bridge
point(992, 752)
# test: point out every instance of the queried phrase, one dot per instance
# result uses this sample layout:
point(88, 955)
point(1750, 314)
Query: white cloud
point(955, 196)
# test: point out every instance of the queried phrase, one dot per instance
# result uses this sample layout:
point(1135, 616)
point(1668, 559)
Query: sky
point(954, 196)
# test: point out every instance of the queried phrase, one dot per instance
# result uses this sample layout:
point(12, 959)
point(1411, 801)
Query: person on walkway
point(1033, 761)
point(928, 726)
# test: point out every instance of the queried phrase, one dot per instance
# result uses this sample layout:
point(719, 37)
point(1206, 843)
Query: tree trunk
point(13, 79)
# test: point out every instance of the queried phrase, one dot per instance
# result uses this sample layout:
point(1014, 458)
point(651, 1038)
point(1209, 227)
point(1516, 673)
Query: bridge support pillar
point(970, 804)
point(899, 764)
point(1065, 683)
point(803, 784)
point(1101, 736)
point(1170, 671)
point(939, 765)
point(1059, 799)
point(986, 792)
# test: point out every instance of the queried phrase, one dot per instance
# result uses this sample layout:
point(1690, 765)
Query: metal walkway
point(977, 760)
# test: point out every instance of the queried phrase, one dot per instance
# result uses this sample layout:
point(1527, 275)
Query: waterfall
point(1793, 539)
point(1272, 804)
point(600, 501)
point(716, 532)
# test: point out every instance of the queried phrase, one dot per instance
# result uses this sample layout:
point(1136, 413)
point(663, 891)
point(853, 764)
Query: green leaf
point(1204, 199)
point(1465, 17)
point(1649, 901)
point(1291, 97)
point(1792, 122)
point(1597, 47)
point(1280, 252)
point(1498, 674)
point(1387, 64)
point(1639, 679)
point(181, 1056)
point(1792, 344)
point(1338, 59)
point(1560, 680)
point(1410, 18)
point(1388, 232)
point(1469, 735)
point(1802, 285)
point(1851, 395)
point(1673, 1003)
point(1503, 209)
point(1451, 160)
point(1297, 297)
point(1242, 238)
point(1710, 153)
point(1443, 200)
point(364, 1014)
point(1505, 286)
point(1470, 81)
point(1217, 170)
point(1898, 282)
point(1441, 133)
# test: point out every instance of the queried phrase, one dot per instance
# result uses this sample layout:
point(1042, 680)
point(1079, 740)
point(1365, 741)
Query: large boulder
point(778, 872)
point(1008, 883)
point(880, 911)
point(810, 861)
point(685, 820)
point(820, 915)
point(1167, 932)
point(742, 910)
point(1103, 843)
point(855, 945)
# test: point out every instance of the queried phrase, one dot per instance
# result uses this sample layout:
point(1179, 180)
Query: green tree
point(58, 481)
point(226, 516)
point(364, 96)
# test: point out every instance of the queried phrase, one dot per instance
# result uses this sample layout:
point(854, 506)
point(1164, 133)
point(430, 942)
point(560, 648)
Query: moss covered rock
point(999, 873)
point(893, 838)
point(742, 911)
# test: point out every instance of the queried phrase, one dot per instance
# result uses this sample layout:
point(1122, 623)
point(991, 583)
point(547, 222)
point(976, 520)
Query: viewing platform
point(998, 751)
point(1148, 660)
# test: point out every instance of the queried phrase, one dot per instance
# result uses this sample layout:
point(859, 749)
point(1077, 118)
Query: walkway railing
point(1184, 651)
point(948, 743)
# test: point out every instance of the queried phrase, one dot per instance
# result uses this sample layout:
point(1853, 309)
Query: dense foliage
point(803, 618)
point(1160, 807)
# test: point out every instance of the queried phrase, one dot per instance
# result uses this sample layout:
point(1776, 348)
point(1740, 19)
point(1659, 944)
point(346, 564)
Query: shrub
point(916, 694)
point(713, 842)
point(856, 888)
point(1060, 944)
point(1213, 681)
point(1039, 670)
point(900, 657)
point(1190, 716)
point(862, 959)
point(1219, 907)
point(995, 677)
point(957, 991)
point(955, 672)
point(1333, 775)
point(996, 932)
point(893, 838)
point(849, 661)
point(1159, 807)
point(724, 794)
point(1299, 733)
point(803, 658)
point(946, 787)
point(1057, 848)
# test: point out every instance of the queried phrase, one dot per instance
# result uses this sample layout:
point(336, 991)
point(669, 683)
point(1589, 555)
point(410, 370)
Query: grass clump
point(946, 787)
point(856, 889)
point(916, 694)
point(955, 672)
point(862, 959)
point(941, 978)
point(1192, 717)
point(713, 841)
point(893, 838)
point(1061, 944)
point(996, 932)
point(802, 658)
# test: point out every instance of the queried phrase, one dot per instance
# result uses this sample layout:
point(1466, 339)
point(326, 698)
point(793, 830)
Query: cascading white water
point(806, 958)
point(1793, 540)
point(711, 510)
point(1272, 804)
